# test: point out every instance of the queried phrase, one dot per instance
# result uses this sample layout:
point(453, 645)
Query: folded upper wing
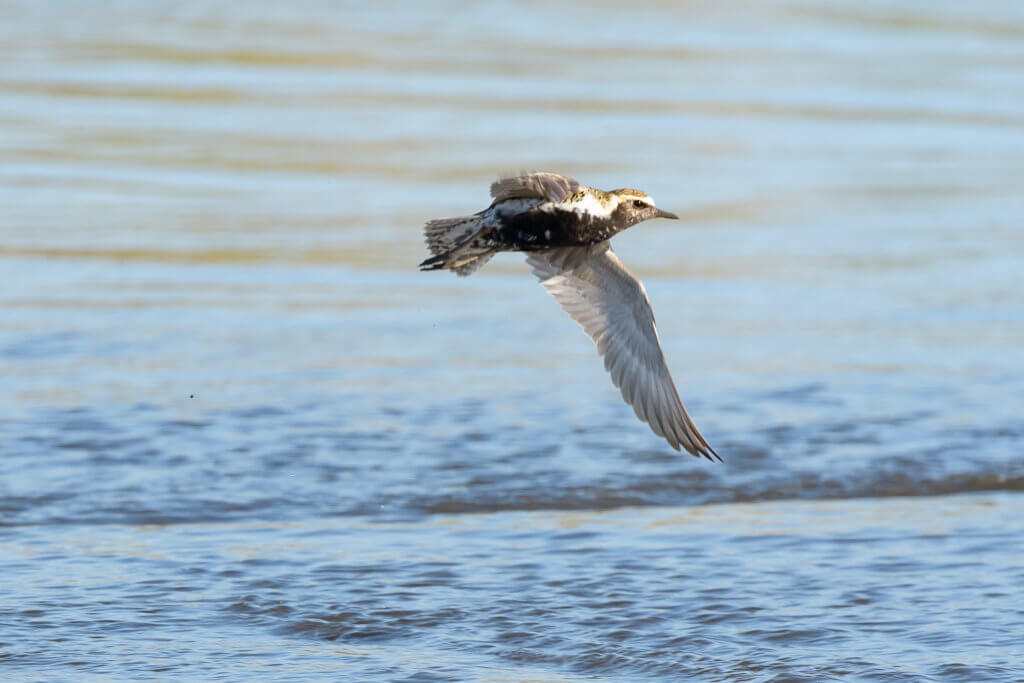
point(549, 186)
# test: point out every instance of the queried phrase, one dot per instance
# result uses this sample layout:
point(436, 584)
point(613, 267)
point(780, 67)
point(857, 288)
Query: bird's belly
point(535, 230)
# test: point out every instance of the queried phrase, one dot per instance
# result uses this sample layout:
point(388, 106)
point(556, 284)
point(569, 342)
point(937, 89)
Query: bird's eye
point(639, 204)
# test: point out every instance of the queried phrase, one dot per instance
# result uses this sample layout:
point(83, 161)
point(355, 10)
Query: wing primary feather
point(665, 412)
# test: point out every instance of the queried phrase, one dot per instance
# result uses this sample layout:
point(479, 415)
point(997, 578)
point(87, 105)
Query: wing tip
point(703, 450)
point(712, 456)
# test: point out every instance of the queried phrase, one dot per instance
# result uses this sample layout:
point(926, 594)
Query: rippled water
point(242, 435)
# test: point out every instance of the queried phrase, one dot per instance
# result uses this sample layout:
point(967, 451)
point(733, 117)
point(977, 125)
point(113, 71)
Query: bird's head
point(635, 206)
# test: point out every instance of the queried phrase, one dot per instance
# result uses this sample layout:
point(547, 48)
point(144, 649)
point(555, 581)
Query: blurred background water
point(242, 435)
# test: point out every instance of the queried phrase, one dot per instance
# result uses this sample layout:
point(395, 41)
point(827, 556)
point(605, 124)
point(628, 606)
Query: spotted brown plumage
point(564, 228)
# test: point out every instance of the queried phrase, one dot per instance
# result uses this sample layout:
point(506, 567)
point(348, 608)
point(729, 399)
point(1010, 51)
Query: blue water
point(243, 436)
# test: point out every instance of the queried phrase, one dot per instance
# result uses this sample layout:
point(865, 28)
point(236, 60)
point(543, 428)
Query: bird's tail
point(454, 243)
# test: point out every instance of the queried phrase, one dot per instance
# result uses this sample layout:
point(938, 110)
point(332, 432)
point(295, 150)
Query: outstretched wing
point(593, 287)
point(550, 186)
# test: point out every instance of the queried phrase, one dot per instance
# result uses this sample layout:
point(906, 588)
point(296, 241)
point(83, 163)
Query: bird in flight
point(564, 228)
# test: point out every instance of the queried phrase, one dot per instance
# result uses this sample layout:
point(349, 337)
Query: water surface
point(242, 434)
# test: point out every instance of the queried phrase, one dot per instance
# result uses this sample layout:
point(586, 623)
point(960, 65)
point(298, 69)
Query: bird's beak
point(665, 214)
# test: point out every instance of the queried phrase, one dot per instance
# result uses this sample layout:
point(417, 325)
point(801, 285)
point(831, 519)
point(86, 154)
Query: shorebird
point(564, 228)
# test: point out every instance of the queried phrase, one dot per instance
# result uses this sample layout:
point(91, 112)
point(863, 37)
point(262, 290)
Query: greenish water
point(242, 435)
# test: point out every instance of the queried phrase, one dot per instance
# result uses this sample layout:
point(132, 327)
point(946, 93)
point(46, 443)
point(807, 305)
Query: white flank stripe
point(589, 204)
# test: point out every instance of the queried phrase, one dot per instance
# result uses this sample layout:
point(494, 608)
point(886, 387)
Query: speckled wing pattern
point(550, 186)
point(593, 287)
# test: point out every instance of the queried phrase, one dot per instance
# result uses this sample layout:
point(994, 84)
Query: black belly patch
point(533, 230)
